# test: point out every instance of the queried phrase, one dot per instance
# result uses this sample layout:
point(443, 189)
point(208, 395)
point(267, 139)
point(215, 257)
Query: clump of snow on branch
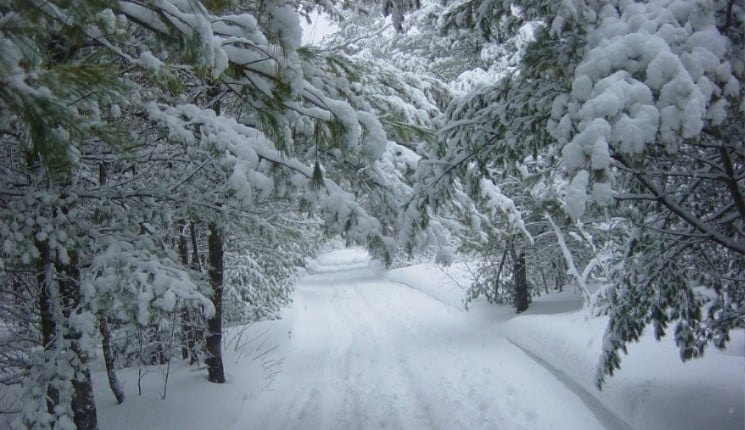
point(132, 281)
point(577, 194)
point(496, 201)
point(645, 80)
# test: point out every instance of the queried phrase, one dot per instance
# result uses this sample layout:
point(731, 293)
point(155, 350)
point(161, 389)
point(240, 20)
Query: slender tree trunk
point(188, 320)
point(109, 359)
point(499, 276)
point(183, 252)
point(215, 369)
point(522, 296)
point(161, 355)
point(184, 334)
point(193, 320)
point(560, 272)
point(103, 325)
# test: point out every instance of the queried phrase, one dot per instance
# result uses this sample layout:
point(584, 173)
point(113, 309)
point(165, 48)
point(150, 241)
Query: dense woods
point(167, 164)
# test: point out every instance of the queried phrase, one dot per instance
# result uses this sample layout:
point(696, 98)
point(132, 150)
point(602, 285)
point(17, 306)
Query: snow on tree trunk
point(46, 313)
point(192, 318)
point(83, 404)
point(215, 369)
point(108, 358)
point(195, 262)
point(60, 288)
point(183, 251)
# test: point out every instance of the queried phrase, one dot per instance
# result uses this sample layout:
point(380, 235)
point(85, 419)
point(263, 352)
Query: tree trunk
point(46, 311)
point(83, 404)
point(103, 324)
point(215, 369)
point(161, 355)
point(183, 252)
point(108, 358)
point(214, 325)
point(68, 299)
point(498, 277)
point(522, 296)
point(189, 323)
point(560, 271)
point(195, 263)
point(189, 319)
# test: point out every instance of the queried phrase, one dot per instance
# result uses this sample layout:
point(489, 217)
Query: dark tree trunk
point(108, 358)
point(46, 310)
point(214, 324)
point(103, 325)
point(183, 244)
point(65, 282)
point(83, 404)
point(522, 296)
point(195, 263)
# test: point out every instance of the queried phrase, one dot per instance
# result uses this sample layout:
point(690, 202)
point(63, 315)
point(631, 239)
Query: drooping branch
point(681, 212)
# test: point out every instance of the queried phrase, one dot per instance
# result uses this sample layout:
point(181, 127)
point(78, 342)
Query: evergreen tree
point(122, 121)
point(634, 102)
point(654, 124)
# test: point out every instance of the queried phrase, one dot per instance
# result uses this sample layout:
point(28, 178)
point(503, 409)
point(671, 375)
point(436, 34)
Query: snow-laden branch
point(496, 200)
point(578, 277)
point(243, 149)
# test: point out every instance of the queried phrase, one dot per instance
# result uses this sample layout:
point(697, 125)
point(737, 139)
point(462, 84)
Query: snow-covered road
point(364, 353)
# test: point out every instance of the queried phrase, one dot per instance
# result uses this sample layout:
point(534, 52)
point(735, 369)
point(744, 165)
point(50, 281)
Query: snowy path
point(364, 353)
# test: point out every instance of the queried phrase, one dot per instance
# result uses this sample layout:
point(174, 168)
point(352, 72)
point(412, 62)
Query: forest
point(167, 165)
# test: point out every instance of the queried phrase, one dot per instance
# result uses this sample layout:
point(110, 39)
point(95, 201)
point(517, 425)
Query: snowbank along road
point(363, 353)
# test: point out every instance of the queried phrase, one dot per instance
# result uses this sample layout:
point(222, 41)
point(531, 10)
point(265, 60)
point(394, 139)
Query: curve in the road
point(368, 354)
point(602, 413)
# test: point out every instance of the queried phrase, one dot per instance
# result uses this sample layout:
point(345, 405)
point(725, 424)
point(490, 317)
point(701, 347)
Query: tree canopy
point(589, 142)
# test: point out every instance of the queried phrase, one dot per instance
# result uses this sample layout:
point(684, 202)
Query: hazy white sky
point(314, 32)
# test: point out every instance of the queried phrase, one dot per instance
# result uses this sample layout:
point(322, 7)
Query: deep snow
point(361, 348)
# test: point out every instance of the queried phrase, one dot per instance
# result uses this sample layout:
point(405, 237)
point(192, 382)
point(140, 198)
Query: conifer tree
point(629, 106)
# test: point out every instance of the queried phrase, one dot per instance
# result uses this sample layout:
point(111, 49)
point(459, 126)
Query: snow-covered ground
point(360, 348)
point(653, 390)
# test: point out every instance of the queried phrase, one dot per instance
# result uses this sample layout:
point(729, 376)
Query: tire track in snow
point(297, 399)
point(459, 400)
point(483, 412)
point(384, 315)
point(385, 379)
point(369, 353)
